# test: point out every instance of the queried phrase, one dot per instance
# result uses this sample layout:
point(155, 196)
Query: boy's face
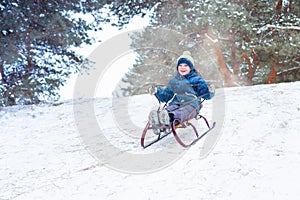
point(184, 69)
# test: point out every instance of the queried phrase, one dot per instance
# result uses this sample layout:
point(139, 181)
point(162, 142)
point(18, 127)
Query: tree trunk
point(3, 77)
point(222, 64)
point(236, 68)
point(272, 75)
point(251, 72)
point(279, 7)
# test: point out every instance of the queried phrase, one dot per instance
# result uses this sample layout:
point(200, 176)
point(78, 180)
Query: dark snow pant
point(182, 113)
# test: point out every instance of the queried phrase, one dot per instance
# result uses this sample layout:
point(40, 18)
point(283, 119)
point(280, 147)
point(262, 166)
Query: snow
point(255, 155)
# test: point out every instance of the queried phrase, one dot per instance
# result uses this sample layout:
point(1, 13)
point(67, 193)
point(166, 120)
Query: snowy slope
point(255, 155)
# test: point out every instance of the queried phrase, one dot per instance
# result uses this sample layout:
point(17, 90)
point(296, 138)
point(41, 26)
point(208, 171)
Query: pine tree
point(35, 55)
point(37, 40)
point(245, 39)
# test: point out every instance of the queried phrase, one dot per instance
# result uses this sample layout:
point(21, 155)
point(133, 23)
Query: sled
point(174, 127)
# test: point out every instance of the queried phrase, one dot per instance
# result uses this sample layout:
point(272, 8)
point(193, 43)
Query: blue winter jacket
point(183, 89)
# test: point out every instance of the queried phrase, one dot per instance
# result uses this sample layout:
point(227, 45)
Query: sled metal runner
point(160, 136)
point(175, 125)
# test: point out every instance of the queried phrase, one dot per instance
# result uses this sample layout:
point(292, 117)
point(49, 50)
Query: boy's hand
point(152, 90)
point(211, 89)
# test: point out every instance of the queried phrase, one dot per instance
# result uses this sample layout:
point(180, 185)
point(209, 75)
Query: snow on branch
point(288, 70)
point(264, 28)
point(213, 40)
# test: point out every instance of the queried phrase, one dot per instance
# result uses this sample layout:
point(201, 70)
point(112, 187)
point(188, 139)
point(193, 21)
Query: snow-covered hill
point(254, 152)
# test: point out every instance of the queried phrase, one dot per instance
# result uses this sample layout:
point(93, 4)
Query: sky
point(116, 69)
point(90, 149)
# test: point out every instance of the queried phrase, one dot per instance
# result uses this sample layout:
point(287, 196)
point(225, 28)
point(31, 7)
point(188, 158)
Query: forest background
point(233, 42)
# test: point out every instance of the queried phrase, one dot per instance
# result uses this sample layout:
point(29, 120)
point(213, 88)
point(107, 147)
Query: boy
point(181, 93)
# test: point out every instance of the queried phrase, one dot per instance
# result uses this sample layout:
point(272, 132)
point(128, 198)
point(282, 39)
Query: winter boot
point(154, 122)
point(164, 117)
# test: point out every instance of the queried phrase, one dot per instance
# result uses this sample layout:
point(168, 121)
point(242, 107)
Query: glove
point(212, 90)
point(152, 90)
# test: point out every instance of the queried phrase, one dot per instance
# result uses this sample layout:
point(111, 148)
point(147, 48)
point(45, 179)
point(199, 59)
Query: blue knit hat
point(187, 59)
